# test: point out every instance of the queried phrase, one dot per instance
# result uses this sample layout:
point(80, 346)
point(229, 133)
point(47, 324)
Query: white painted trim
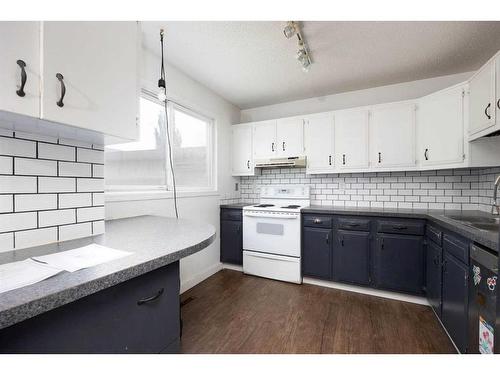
point(234, 267)
point(369, 291)
point(198, 278)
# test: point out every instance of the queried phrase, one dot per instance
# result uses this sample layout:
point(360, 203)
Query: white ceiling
point(252, 64)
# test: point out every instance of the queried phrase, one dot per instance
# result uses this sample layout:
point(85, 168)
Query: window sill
point(124, 196)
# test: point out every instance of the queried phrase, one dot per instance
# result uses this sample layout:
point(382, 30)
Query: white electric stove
point(272, 233)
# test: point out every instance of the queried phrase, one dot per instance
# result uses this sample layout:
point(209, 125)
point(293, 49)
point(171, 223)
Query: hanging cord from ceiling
point(163, 97)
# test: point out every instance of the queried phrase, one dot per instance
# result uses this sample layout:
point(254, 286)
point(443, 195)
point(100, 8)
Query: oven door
point(272, 232)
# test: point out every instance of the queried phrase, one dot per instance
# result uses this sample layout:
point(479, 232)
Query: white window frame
point(153, 191)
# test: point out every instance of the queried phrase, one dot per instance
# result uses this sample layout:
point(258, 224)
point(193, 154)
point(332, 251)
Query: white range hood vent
point(292, 162)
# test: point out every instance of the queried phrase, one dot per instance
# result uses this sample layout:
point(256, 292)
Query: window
point(144, 164)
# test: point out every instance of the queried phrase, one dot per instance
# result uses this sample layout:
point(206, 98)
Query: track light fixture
point(304, 58)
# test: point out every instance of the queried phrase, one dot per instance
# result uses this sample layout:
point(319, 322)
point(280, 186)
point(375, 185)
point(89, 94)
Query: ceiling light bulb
point(306, 65)
point(290, 29)
point(301, 53)
point(161, 95)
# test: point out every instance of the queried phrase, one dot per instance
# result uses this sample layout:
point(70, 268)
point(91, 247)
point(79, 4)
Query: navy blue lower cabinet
point(317, 252)
point(434, 258)
point(455, 300)
point(398, 262)
point(231, 241)
point(351, 257)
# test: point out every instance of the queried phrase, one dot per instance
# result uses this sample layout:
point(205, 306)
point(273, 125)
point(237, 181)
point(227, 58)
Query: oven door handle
point(274, 257)
point(271, 216)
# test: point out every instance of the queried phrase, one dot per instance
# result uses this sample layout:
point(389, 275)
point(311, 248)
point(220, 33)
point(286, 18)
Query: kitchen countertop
point(486, 238)
point(235, 205)
point(154, 241)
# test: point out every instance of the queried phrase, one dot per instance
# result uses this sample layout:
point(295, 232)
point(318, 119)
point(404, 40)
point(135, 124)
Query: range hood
point(292, 162)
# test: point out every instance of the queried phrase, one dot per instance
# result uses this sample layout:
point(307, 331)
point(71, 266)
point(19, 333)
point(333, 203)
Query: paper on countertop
point(18, 274)
point(82, 257)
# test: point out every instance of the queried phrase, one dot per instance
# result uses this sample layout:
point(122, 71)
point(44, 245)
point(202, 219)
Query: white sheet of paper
point(82, 257)
point(18, 274)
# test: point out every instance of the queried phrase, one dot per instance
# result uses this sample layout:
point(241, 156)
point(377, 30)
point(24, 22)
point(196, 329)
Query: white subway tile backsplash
point(39, 175)
point(35, 167)
point(6, 241)
point(35, 237)
point(75, 200)
point(17, 184)
point(56, 152)
point(17, 147)
point(5, 165)
point(90, 184)
point(56, 217)
point(35, 202)
point(90, 214)
point(70, 232)
point(6, 203)
point(17, 221)
point(84, 155)
point(74, 169)
point(56, 185)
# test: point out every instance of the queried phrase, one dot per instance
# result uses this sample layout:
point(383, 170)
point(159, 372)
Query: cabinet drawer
point(457, 247)
point(434, 234)
point(317, 221)
point(401, 227)
point(349, 223)
point(230, 214)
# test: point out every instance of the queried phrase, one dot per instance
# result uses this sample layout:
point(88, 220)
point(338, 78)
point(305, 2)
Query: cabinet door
point(290, 137)
point(434, 276)
point(482, 99)
point(231, 242)
point(242, 160)
point(392, 136)
point(455, 300)
point(20, 41)
point(440, 124)
point(351, 139)
point(351, 257)
point(99, 65)
point(398, 262)
point(319, 151)
point(316, 253)
point(264, 139)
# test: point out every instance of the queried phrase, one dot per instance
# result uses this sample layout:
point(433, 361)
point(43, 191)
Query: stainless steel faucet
point(495, 209)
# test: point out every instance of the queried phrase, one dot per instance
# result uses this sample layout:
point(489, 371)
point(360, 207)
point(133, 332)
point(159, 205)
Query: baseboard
point(188, 284)
point(369, 291)
point(233, 267)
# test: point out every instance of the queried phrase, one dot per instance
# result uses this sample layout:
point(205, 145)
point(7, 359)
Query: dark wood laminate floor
point(235, 313)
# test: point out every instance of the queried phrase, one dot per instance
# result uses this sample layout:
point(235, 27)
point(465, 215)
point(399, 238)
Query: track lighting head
point(290, 29)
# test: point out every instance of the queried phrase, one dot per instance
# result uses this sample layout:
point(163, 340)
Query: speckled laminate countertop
point(154, 241)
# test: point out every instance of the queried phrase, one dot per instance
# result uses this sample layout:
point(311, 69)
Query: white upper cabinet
point(242, 157)
point(319, 145)
point(264, 139)
point(440, 128)
point(20, 50)
point(290, 137)
point(351, 139)
point(392, 135)
point(91, 75)
point(482, 101)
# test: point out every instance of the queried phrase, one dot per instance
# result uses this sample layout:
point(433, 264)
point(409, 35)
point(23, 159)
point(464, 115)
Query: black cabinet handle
point(60, 78)
point(343, 159)
point(248, 164)
point(283, 146)
point(238, 230)
point(498, 103)
point(272, 147)
point(399, 227)
point(328, 238)
point(379, 157)
point(152, 298)
point(24, 78)
point(352, 225)
point(342, 241)
point(330, 160)
point(486, 111)
point(436, 261)
point(426, 154)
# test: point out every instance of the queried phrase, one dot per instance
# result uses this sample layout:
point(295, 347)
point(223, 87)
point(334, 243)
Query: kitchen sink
point(478, 222)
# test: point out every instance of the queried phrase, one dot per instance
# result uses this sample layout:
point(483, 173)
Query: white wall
point(191, 94)
point(376, 95)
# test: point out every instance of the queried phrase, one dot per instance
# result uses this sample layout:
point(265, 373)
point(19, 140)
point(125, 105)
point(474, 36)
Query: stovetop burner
point(291, 206)
point(264, 205)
